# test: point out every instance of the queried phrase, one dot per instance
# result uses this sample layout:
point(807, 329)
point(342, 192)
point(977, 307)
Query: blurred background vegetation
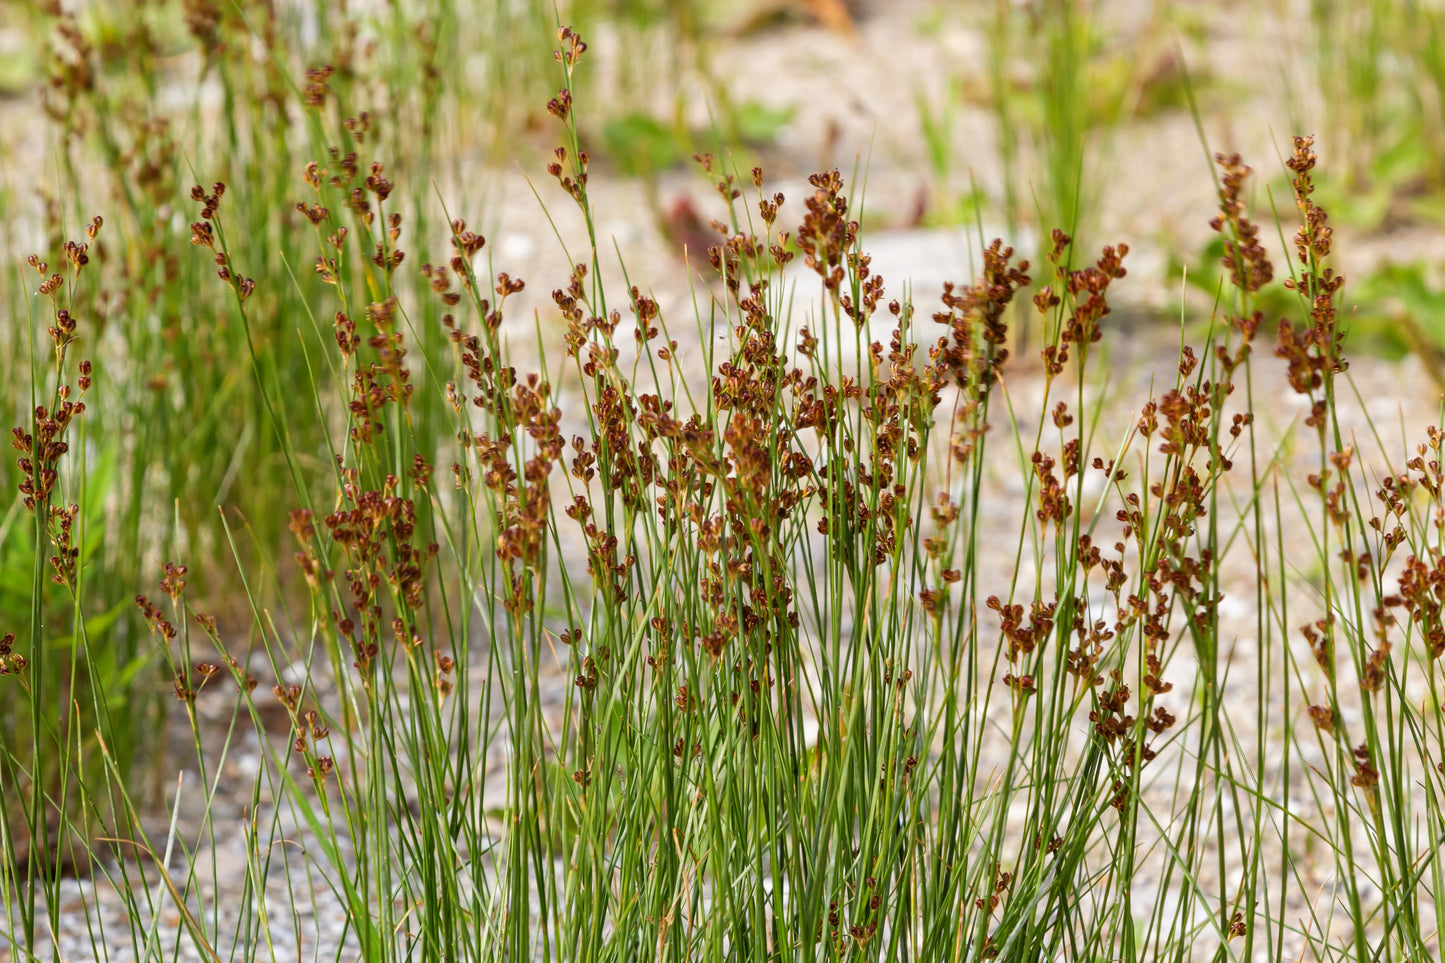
point(1021, 115)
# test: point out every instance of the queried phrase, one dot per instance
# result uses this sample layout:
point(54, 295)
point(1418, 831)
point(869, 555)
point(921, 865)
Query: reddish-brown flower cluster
point(11, 662)
point(41, 447)
point(205, 234)
point(316, 85)
point(1422, 582)
point(1245, 259)
point(310, 734)
point(1366, 775)
point(70, 70)
point(1313, 354)
point(1084, 294)
point(375, 529)
point(827, 237)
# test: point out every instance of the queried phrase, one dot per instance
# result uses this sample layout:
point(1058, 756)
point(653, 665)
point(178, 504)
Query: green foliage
point(641, 145)
point(757, 123)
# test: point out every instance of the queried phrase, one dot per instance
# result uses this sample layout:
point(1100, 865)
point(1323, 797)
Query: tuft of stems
point(603, 660)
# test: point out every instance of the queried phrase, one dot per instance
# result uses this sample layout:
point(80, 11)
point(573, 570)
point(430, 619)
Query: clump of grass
point(743, 668)
point(54, 796)
point(1061, 79)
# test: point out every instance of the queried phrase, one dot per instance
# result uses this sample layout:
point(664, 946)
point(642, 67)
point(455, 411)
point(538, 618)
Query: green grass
point(510, 651)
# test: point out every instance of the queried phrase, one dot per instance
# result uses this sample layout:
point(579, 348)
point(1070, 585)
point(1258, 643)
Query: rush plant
point(735, 643)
